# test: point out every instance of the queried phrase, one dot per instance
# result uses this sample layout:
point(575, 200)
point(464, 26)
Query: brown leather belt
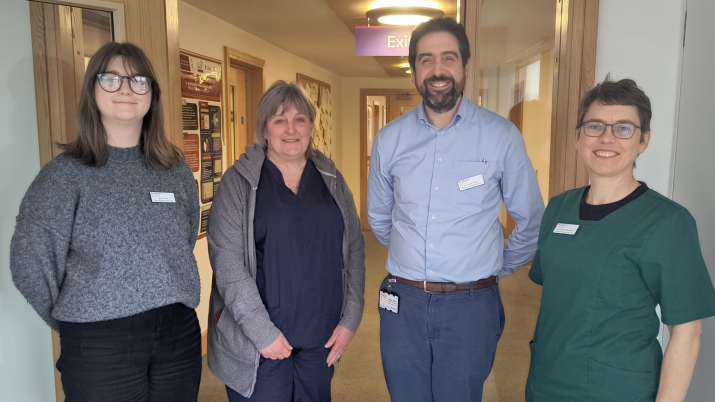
point(446, 287)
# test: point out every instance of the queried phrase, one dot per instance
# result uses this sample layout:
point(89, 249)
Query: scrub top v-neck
point(299, 254)
point(595, 338)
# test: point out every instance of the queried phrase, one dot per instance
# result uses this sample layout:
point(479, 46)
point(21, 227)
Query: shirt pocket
point(468, 181)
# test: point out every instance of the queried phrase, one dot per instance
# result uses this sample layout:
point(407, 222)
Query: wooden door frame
point(576, 33)
point(44, 72)
point(364, 93)
point(255, 87)
point(114, 7)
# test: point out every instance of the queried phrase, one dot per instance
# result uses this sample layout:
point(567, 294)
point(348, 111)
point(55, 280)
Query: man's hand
point(278, 350)
point(338, 343)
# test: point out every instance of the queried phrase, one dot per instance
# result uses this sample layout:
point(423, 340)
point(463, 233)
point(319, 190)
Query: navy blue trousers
point(304, 376)
point(440, 346)
point(148, 357)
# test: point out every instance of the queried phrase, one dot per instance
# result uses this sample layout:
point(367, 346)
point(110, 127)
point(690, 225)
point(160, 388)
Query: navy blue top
point(299, 254)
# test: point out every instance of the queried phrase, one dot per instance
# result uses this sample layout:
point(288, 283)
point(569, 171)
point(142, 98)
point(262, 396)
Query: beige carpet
point(358, 377)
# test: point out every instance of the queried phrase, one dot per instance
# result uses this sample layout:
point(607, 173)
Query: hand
point(278, 350)
point(338, 343)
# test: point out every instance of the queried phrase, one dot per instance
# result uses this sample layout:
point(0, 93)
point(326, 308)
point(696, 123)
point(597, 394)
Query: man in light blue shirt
point(439, 176)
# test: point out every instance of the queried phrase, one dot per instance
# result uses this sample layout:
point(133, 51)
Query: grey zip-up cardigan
point(239, 325)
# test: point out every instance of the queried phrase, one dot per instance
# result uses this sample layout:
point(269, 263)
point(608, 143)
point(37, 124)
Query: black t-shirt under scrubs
point(299, 255)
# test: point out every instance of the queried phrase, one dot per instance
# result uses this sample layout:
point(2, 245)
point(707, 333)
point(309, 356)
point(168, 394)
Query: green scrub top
point(596, 335)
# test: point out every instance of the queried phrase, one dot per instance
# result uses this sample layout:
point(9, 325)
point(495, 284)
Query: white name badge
point(469, 182)
point(566, 228)
point(162, 197)
point(389, 301)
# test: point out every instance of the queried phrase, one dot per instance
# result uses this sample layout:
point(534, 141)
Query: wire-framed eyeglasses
point(111, 82)
point(623, 131)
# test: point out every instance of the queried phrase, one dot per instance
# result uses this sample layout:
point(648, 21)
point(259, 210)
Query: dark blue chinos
point(299, 277)
point(424, 345)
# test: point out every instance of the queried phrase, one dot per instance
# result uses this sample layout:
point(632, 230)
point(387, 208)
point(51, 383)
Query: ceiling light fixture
point(404, 16)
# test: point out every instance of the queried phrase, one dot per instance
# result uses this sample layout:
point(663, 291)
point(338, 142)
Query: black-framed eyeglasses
point(111, 82)
point(623, 131)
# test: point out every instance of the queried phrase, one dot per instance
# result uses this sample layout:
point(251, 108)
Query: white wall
point(202, 33)
point(643, 40)
point(26, 372)
point(694, 182)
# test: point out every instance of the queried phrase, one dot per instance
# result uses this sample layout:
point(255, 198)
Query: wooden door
point(245, 84)
point(399, 104)
point(237, 110)
point(57, 50)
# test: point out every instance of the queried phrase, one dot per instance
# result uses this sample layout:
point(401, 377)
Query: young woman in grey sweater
point(103, 247)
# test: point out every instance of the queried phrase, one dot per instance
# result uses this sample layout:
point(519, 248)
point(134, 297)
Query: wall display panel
point(202, 123)
point(320, 94)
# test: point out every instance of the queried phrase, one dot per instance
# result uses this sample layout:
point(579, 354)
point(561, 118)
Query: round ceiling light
point(405, 16)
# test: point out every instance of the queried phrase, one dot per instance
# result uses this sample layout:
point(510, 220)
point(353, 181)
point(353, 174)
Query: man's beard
point(441, 102)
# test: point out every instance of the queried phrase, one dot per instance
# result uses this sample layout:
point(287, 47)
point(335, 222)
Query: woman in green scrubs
point(608, 254)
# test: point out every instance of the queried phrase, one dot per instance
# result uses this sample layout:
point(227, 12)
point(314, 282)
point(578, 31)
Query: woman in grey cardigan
point(288, 257)
point(103, 247)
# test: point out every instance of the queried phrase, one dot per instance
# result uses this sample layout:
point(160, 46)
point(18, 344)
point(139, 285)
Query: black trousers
point(149, 357)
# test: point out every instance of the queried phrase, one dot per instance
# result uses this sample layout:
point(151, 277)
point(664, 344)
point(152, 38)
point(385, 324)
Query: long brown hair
point(90, 147)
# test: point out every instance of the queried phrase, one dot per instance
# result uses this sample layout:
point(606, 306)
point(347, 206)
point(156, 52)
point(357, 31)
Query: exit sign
point(382, 41)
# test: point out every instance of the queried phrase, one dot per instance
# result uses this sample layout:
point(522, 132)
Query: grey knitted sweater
point(90, 245)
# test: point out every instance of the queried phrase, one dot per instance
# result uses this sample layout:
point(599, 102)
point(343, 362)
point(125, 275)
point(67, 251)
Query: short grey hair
point(279, 98)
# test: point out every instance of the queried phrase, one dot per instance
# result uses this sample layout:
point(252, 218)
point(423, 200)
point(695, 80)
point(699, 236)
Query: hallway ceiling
point(322, 31)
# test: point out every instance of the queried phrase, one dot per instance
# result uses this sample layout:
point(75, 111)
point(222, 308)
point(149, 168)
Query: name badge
point(469, 182)
point(162, 197)
point(389, 301)
point(566, 228)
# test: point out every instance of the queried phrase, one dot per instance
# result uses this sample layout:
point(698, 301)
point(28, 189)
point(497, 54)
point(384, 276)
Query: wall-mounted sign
point(201, 112)
point(382, 41)
point(200, 78)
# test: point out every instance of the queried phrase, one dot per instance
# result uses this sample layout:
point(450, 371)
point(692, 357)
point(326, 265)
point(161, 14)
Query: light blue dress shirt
point(435, 229)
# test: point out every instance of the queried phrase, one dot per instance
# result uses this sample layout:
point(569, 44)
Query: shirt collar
point(461, 112)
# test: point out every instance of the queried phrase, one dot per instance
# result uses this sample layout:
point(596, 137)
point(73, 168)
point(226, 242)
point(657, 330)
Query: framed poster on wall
point(201, 113)
point(320, 94)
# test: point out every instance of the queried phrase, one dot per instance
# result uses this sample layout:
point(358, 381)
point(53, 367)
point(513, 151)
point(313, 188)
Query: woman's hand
point(338, 343)
point(278, 350)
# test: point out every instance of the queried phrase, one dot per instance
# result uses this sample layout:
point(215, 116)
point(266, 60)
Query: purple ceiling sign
point(382, 41)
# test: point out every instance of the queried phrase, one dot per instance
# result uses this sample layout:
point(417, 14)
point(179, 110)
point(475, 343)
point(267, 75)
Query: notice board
point(202, 123)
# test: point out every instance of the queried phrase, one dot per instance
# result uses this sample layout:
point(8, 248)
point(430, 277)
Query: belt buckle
point(424, 286)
